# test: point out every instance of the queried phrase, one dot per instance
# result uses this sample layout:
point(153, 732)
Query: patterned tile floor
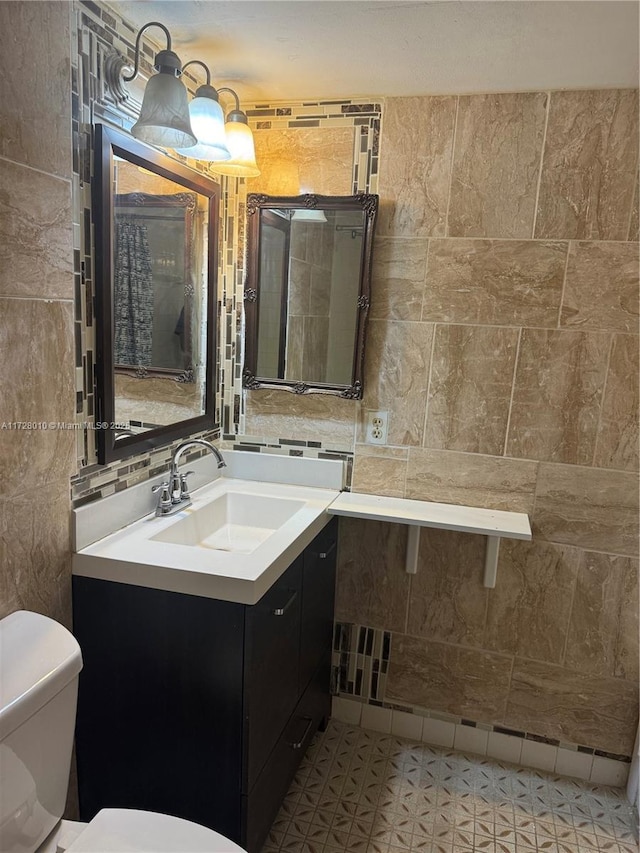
point(361, 791)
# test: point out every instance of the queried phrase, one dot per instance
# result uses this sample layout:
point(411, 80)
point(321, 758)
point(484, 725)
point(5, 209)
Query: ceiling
point(309, 49)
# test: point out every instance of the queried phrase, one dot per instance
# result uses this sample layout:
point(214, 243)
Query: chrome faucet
point(179, 487)
point(174, 494)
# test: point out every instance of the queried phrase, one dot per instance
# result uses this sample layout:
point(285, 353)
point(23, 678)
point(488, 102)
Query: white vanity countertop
point(94, 521)
point(133, 556)
point(467, 519)
point(112, 545)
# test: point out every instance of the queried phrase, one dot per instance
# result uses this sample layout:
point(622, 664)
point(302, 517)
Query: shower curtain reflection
point(133, 295)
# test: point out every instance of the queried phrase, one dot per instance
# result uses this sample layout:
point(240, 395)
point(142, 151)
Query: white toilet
point(39, 666)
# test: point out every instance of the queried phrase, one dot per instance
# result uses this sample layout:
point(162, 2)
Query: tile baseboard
point(482, 740)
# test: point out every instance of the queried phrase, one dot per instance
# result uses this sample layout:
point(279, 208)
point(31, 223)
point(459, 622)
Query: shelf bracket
point(413, 546)
point(491, 561)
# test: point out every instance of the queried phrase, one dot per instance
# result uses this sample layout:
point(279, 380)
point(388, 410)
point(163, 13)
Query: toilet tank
point(39, 666)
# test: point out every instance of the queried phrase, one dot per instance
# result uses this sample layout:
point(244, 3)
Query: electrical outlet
point(376, 427)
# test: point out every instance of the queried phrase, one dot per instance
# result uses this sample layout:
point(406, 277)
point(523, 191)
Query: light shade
point(243, 154)
point(207, 121)
point(305, 214)
point(164, 115)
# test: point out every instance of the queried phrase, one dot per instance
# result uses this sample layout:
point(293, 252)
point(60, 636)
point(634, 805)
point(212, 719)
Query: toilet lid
point(132, 831)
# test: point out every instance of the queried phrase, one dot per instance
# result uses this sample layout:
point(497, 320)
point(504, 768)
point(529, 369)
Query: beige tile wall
point(37, 382)
point(503, 341)
point(303, 160)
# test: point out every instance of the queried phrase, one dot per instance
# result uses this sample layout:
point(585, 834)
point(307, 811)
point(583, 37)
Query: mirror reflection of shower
point(159, 299)
point(309, 282)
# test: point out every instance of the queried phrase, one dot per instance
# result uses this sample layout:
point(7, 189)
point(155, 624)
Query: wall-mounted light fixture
point(207, 121)
point(164, 115)
point(195, 129)
point(242, 163)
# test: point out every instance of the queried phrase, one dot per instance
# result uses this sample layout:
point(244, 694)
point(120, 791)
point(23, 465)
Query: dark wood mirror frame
point(363, 203)
point(110, 143)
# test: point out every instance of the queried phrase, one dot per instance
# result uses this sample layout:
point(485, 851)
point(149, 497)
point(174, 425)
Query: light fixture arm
point(206, 90)
point(227, 89)
point(163, 54)
point(237, 114)
point(202, 65)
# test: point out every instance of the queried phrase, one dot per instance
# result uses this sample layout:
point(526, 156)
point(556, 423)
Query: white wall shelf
point(492, 523)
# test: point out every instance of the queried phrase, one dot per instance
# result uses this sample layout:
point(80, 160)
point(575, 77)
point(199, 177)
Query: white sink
point(232, 543)
point(234, 521)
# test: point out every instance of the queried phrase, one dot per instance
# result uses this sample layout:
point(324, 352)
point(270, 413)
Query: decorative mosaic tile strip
point(526, 755)
point(98, 481)
point(99, 30)
point(362, 672)
point(365, 117)
point(359, 671)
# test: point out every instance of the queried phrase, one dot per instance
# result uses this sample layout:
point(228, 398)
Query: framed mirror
point(307, 292)
point(156, 226)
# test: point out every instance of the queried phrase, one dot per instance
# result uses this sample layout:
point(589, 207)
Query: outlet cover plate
point(376, 427)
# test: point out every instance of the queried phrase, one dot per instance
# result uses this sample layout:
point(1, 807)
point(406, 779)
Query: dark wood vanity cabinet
point(203, 708)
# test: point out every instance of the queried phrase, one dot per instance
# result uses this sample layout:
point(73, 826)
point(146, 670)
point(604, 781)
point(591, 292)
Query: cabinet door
point(318, 593)
point(271, 667)
point(159, 723)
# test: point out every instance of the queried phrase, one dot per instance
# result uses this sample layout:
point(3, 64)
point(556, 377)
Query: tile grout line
point(467, 324)
point(635, 195)
point(479, 239)
point(426, 278)
point(603, 395)
point(406, 471)
point(451, 164)
point(580, 555)
point(544, 145)
point(408, 607)
point(429, 377)
point(562, 289)
point(64, 178)
point(47, 299)
point(513, 391)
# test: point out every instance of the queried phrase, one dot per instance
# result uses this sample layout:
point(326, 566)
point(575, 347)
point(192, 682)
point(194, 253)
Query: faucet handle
point(176, 496)
point(164, 501)
point(184, 486)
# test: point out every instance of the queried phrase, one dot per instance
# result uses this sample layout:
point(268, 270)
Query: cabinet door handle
point(280, 611)
point(298, 744)
point(324, 554)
